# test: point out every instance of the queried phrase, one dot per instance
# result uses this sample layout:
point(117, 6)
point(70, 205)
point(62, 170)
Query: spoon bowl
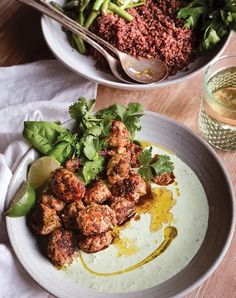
point(143, 70)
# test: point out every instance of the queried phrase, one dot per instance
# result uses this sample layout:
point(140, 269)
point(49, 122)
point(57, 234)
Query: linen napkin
point(42, 90)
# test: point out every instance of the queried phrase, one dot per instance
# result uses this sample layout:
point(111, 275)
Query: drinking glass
point(217, 119)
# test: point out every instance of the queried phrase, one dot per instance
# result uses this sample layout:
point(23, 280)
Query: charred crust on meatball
point(164, 179)
point(66, 185)
point(61, 249)
point(69, 215)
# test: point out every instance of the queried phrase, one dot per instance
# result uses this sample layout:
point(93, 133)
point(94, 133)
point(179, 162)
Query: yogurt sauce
point(154, 245)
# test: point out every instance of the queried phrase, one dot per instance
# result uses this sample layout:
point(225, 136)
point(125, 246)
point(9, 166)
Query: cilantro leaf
point(130, 116)
point(162, 165)
point(89, 147)
point(92, 168)
point(81, 108)
point(120, 111)
point(154, 167)
point(145, 157)
point(94, 130)
point(146, 173)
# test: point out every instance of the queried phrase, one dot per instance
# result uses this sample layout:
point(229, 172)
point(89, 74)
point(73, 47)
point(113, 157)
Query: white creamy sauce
point(190, 219)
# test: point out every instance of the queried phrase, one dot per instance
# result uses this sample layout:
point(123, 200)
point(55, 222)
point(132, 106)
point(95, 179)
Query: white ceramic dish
point(197, 154)
point(84, 65)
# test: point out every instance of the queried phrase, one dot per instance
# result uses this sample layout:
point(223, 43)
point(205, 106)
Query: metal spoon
point(128, 69)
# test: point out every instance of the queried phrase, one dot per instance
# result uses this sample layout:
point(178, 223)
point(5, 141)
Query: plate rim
point(192, 286)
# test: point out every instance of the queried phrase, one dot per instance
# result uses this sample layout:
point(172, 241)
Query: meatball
point(140, 184)
point(123, 208)
point(44, 220)
point(164, 179)
point(66, 186)
point(98, 193)
point(130, 186)
point(72, 164)
point(69, 215)
point(61, 249)
point(96, 219)
point(51, 201)
point(95, 243)
point(119, 135)
point(134, 151)
point(118, 168)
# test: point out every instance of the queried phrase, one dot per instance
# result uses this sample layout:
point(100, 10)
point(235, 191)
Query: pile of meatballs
point(78, 217)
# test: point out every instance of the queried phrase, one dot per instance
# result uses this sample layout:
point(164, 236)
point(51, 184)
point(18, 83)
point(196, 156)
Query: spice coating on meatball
point(44, 220)
point(119, 135)
point(96, 219)
point(98, 193)
point(164, 179)
point(118, 168)
point(123, 208)
point(66, 185)
point(134, 151)
point(130, 186)
point(51, 201)
point(61, 247)
point(95, 243)
point(72, 164)
point(70, 213)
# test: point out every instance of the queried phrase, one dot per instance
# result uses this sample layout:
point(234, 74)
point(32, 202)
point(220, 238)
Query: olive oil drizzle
point(146, 144)
point(170, 233)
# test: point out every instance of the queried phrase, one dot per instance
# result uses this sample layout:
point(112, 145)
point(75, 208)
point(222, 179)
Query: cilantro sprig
point(212, 19)
point(92, 127)
point(154, 167)
point(88, 141)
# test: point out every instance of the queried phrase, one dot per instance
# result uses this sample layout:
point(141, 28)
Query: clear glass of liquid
point(217, 120)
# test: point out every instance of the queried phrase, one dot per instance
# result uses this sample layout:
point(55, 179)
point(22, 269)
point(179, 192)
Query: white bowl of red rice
point(154, 32)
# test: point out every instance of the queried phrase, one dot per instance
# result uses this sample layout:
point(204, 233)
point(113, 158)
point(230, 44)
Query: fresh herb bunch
point(151, 167)
point(213, 19)
point(88, 141)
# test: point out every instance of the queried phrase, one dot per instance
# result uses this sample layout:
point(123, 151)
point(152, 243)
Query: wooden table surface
point(21, 41)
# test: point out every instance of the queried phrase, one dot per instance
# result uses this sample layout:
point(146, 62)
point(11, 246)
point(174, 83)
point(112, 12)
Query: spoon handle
point(46, 9)
point(70, 24)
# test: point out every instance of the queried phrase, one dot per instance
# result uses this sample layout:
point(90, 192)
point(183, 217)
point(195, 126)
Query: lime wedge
point(22, 202)
point(40, 170)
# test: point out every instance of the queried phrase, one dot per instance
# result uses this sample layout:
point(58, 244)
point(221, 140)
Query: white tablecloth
point(41, 90)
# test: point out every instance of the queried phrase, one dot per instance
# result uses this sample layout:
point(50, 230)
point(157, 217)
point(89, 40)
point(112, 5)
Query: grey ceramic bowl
point(196, 153)
point(85, 65)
